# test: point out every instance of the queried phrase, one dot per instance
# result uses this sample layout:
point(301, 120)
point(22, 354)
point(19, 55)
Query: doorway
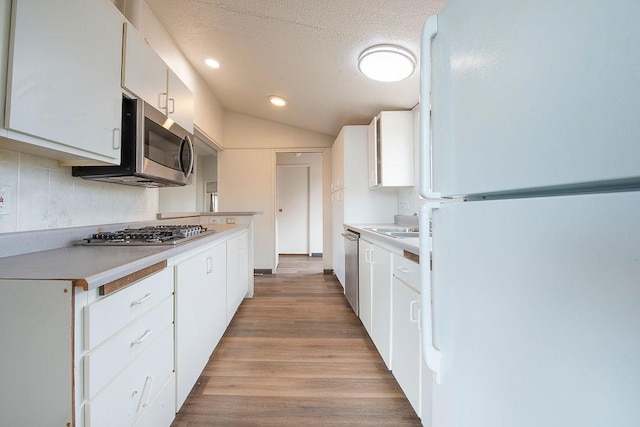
point(292, 215)
point(298, 181)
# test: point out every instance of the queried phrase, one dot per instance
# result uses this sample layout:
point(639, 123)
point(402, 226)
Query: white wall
point(246, 183)
point(247, 174)
point(207, 170)
point(43, 195)
point(242, 131)
point(314, 161)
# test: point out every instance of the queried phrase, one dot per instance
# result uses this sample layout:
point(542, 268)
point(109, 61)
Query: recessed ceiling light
point(386, 63)
point(212, 63)
point(277, 101)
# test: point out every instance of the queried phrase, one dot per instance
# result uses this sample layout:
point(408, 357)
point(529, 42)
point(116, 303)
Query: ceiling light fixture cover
point(278, 101)
point(212, 63)
point(387, 63)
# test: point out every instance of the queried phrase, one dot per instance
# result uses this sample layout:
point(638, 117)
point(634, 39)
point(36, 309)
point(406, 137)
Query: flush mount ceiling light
point(278, 101)
point(386, 63)
point(212, 63)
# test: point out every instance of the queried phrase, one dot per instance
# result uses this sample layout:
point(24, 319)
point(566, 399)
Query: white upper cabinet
point(147, 76)
point(144, 72)
point(180, 103)
point(390, 150)
point(5, 25)
point(337, 163)
point(63, 84)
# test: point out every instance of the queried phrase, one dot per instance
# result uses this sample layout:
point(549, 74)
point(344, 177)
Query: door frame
point(308, 190)
point(276, 258)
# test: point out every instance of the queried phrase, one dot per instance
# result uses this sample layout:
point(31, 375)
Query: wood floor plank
point(292, 411)
point(293, 355)
point(277, 369)
point(353, 388)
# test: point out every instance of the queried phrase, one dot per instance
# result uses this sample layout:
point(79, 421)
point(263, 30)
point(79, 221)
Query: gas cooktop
point(148, 236)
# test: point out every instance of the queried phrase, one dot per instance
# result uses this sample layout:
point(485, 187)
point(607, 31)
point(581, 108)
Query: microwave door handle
point(187, 171)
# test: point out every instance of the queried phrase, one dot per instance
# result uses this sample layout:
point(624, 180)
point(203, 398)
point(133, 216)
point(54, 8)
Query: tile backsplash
point(40, 194)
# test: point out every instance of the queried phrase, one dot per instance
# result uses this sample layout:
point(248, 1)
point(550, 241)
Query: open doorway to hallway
point(299, 204)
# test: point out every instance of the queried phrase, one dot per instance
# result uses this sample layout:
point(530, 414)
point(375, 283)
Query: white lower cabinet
point(103, 363)
point(237, 273)
point(129, 339)
point(375, 295)
point(127, 398)
point(364, 283)
point(72, 357)
point(211, 282)
point(200, 314)
point(406, 354)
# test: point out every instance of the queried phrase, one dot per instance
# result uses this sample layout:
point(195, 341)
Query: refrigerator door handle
point(431, 354)
point(425, 147)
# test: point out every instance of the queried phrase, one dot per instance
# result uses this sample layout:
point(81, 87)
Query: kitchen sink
point(394, 230)
point(398, 232)
point(405, 234)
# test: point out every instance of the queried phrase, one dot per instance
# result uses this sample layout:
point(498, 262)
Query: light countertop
point(410, 244)
point(94, 266)
point(171, 215)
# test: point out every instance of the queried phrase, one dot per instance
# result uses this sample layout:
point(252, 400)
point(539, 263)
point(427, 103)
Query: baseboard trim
point(328, 271)
point(260, 271)
point(316, 254)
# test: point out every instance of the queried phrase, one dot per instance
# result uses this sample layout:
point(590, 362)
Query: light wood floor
point(294, 355)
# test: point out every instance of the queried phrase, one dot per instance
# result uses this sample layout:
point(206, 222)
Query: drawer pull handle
point(145, 399)
point(142, 338)
point(403, 270)
point(141, 300)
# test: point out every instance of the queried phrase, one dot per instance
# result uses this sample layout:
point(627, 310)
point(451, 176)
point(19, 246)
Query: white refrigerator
point(530, 167)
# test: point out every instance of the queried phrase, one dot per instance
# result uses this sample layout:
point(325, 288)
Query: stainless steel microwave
point(155, 151)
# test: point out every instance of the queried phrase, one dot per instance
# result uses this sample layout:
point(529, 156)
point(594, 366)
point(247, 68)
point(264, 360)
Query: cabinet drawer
point(132, 392)
point(406, 270)
point(103, 363)
point(111, 313)
point(162, 409)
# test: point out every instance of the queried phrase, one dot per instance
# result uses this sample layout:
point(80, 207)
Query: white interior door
point(293, 209)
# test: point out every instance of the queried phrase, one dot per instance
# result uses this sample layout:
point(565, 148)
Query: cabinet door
point(216, 295)
point(200, 318)
point(237, 273)
point(5, 25)
point(394, 142)
point(144, 72)
point(337, 241)
point(337, 162)
point(381, 302)
point(406, 341)
point(191, 315)
point(364, 284)
point(64, 76)
point(180, 103)
point(373, 149)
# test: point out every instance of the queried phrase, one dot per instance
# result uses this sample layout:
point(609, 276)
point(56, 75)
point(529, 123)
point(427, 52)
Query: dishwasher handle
point(351, 237)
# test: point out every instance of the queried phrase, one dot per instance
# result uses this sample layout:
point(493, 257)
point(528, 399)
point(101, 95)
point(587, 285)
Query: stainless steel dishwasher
point(351, 239)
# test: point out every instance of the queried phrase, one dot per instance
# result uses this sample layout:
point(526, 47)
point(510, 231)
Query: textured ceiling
point(305, 51)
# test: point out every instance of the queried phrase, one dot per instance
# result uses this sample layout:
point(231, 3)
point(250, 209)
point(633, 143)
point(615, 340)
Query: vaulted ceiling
point(304, 51)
